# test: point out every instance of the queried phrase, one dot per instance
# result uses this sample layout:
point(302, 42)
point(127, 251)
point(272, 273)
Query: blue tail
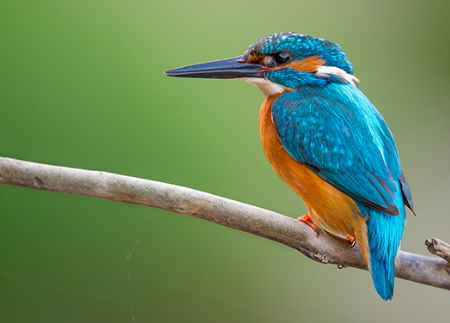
point(385, 236)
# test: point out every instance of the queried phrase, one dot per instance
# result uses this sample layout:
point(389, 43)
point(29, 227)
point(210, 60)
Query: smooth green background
point(81, 85)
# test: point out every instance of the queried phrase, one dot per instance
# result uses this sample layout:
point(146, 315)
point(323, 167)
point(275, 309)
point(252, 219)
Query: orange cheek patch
point(310, 64)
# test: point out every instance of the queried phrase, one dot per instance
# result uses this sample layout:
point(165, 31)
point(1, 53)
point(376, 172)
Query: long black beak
point(223, 69)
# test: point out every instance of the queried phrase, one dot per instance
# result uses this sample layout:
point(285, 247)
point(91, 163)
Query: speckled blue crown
point(301, 46)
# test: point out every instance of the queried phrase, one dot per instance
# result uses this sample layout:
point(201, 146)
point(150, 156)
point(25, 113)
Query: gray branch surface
point(326, 248)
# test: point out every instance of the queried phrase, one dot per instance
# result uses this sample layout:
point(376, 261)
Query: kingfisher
point(326, 141)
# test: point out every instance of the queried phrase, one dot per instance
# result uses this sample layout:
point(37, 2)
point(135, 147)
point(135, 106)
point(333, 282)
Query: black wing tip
point(411, 208)
point(406, 193)
point(391, 209)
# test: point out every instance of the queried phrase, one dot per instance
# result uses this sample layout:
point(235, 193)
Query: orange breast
point(327, 206)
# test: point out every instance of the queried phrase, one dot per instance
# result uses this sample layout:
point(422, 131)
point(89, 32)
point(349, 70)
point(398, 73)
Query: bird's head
point(280, 62)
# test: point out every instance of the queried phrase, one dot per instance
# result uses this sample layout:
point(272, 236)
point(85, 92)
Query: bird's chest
point(326, 205)
point(292, 172)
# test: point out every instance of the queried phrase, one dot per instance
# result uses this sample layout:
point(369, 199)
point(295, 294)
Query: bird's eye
point(282, 57)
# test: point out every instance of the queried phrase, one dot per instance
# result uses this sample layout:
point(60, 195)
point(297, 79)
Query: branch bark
point(326, 249)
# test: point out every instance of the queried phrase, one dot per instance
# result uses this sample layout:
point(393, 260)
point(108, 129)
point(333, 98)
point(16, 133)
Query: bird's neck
point(278, 83)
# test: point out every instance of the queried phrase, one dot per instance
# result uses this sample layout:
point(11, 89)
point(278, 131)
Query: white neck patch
point(268, 88)
point(326, 71)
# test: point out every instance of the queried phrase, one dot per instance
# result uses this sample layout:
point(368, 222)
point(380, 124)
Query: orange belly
point(327, 206)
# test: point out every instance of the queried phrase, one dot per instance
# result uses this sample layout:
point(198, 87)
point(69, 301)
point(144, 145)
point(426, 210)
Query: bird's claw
point(306, 219)
point(351, 239)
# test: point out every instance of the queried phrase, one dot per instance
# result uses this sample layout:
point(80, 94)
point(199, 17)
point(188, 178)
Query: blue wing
point(342, 137)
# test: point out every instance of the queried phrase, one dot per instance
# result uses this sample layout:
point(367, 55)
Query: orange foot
point(306, 219)
point(351, 239)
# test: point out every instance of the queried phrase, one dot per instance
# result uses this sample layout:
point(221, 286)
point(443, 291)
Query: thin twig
point(326, 248)
point(439, 248)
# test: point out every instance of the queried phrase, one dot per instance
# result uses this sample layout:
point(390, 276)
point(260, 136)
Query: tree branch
point(439, 248)
point(327, 248)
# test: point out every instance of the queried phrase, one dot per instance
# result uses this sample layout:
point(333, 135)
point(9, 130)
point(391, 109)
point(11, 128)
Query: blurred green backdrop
point(81, 85)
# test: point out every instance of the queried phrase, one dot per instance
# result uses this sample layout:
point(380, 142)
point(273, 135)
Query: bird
point(326, 141)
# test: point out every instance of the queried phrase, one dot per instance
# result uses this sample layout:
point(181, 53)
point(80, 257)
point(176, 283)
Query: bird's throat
point(268, 88)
